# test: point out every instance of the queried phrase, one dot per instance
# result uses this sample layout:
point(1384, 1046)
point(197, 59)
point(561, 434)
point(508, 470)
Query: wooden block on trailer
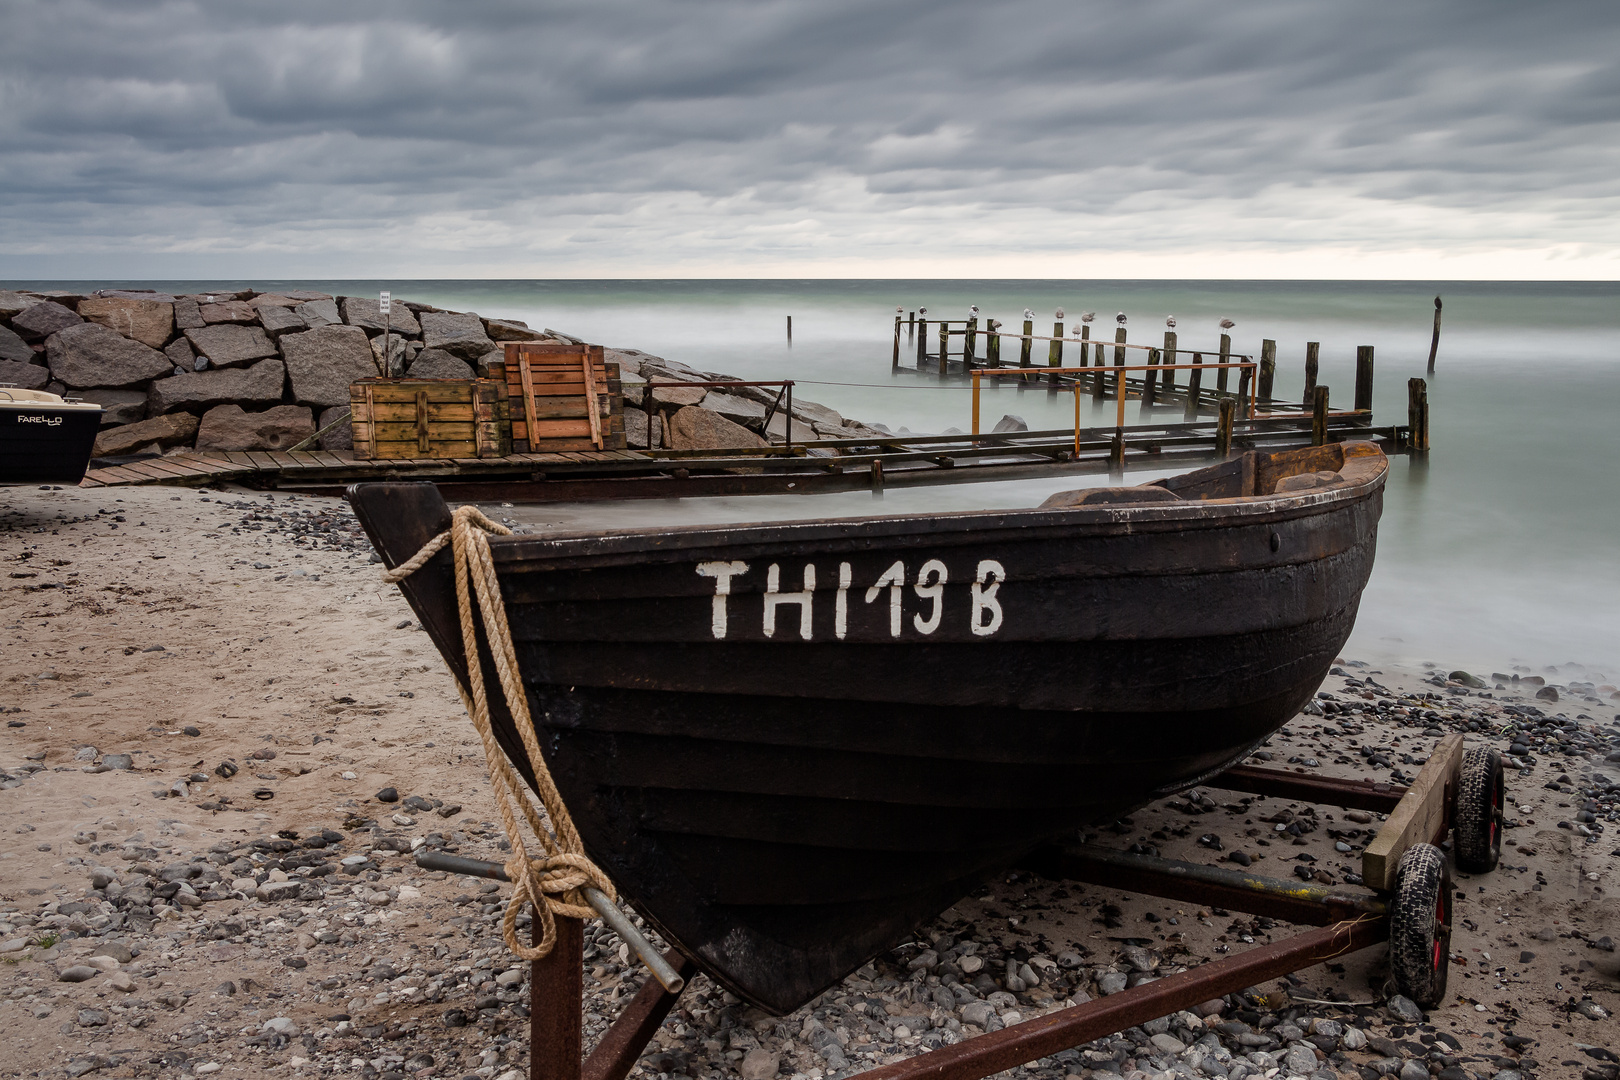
point(1419, 817)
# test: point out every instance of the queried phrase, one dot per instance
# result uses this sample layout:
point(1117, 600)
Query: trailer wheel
point(1481, 794)
point(1420, 925)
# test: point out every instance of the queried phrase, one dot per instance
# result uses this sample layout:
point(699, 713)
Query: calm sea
point(1500, 550)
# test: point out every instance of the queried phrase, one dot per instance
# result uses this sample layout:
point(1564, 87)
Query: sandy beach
point(208, 689)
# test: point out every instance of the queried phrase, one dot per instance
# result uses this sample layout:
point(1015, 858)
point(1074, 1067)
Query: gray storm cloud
point(634, 137)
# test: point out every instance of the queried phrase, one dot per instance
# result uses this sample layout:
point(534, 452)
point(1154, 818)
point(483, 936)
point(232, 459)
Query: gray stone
point(635, 429)
point(42, 320)
point(1140, 958)
point(693, 428)
point(260, 383)
point(229, 345)
point(101, 877)
point(1413, 1070)
point(511, 330)
point(340, 437)
point(171, 430)
point(737, 409)
point(400, 353)
point(89, 354)
point(1301, 1061)
point(14, 348)
point(322, 312)
point(759, 1064)
point(1354, 1039)
point(180, 354)
point(1169, 1044)
point(27, 376)
point(1111, 982)
point(148, 295)
point(438, 364)
point(1404, 1009)
point(494, 356)
point(13, 303)
point(281, 1025)
point(147, 321)
point(118, 406)
point(187, 314)
point(231, 311)
point(273, 891)
point(367, 314)
point(461, 334)
point(321, 363)
point(1010, 423)
point(77, 973)
point(93, 1017)
point(281, 320)
point(778, 428)
point(1328, 1029)
point(230, 427)
point(118, 761)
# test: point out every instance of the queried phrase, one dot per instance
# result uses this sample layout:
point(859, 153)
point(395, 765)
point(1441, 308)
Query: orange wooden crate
point(429, 418)
point(563, 398)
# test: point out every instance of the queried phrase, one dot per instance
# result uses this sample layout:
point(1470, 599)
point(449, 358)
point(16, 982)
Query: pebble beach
point(225, 736)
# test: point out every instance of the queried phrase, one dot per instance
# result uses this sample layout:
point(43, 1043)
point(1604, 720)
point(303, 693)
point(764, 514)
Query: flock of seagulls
point(1085, 318)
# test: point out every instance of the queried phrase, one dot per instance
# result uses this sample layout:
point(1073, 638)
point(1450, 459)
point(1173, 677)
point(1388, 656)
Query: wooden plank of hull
point(1142, 651)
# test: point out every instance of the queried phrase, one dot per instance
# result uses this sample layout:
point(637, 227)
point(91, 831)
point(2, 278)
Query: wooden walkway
point(334, 467)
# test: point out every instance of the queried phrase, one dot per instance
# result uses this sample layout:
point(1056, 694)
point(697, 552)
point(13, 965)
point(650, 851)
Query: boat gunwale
point(670, 544)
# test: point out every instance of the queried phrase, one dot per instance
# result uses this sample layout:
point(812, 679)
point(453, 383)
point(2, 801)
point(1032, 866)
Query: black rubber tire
point(1420, 926)
point(1477, 817)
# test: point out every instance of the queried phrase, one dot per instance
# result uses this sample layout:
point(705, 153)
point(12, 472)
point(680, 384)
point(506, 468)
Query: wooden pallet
point(429, 418)
point(564, 398)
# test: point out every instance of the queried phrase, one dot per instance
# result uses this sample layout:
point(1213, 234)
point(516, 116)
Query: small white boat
point(45, 439)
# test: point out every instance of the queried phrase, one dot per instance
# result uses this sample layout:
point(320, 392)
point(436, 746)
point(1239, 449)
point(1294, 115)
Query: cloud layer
point(631, 137)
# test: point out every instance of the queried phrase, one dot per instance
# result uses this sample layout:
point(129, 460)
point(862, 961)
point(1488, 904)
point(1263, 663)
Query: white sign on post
point(385, 303)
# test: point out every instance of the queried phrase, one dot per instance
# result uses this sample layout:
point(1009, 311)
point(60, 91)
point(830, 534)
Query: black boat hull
point(788, 781)
point(45, 444)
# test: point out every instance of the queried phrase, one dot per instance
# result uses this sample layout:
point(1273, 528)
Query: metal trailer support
point(1346, 921)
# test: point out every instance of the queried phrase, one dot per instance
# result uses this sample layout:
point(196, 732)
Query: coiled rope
point(553, 880)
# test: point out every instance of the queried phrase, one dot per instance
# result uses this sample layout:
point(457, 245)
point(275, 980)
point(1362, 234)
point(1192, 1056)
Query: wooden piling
point(1223, 427)
point(1434, 342)
point(1245, 377)
point(922, 339)
point(1313, 350)
point(1195, 381)
point(1417, 414)
point(790, 328)
point(911, 326)
point(1169, 358)
point(1319, 416)
point(877, 476)
point(1364, 378)
point(944, 347)
point(896, 364)
point(992, 343)
point(970, 342)
point(1085, 353)
point(1150, 385)
point(1023, 348)
point(1119, 361)
point(1054, 350)
point(1226, 356)
point(1268, 369)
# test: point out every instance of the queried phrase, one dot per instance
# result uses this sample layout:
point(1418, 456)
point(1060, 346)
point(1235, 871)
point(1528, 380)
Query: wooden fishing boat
point(44, 438)
point(790, 744)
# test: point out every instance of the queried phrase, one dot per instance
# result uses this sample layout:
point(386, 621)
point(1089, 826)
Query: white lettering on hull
point(985, 615)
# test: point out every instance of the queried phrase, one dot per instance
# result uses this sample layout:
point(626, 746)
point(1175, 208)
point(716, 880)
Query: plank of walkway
point(262, 461)
point(172, 467)
point(241, 457)
point(213, 465)
point(142, 473)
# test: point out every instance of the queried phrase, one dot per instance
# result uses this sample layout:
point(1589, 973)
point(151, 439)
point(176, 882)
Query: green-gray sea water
point(1500, 549)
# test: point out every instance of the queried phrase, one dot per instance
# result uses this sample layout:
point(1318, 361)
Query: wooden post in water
point(1023, 348)
point(1054, 348)
point(1119, 361)
point(1313, 351)
point(790, 329)
point(944, 347)
point(1223, 427)
point(1085, 354)
point(911, 326)
point(1195, 386)
point(1417, 414)
point(1150, 385)
point(896, 365)
point(970, 340)
point(992, 342)
point(1434, 342)
point(1268, 369)
point(1364, 378)
point(1169, 358)
point(1319, 416)
point(1245, 379)
point(877, 487)
point(922, 338)
point(1226, 355)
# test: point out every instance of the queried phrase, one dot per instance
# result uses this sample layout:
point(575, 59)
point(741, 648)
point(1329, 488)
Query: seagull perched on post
point(1170, 321)
point(922, 311)
point(1120, 318)
point(1060, 313)
point(973, 311)
point(995, 324)
point(1227, 324)
point(1029, 313)
point(1088, 316)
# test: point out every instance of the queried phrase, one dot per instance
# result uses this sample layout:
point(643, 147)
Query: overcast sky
point(859, 138)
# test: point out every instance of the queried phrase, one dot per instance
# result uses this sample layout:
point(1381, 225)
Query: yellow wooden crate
point(429, 418)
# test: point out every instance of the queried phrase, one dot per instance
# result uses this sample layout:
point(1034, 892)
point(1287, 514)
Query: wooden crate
point(429, 418)
point(551, 388)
